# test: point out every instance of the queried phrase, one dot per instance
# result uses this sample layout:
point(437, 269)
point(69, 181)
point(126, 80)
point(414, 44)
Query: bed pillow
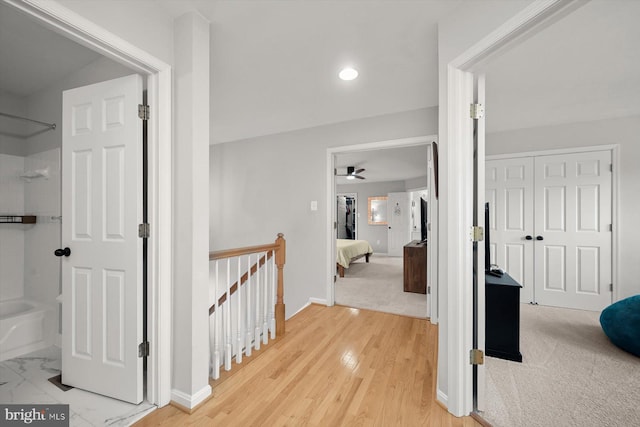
point(621, 323)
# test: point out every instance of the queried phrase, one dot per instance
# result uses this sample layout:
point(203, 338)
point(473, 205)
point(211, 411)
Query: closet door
point(509, 192)
point(573, 239)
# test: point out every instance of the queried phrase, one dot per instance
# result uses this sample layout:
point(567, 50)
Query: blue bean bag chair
point(621, 323)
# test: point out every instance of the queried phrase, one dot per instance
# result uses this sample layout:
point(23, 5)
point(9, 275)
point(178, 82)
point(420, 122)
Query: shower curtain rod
point(24, 119)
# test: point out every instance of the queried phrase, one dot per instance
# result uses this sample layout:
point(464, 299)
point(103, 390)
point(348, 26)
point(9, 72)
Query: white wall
point(11, 235)
point(623, 131)
point(191, 212)
point(9, 128)
point(263, 186)
point(376, 235)
point(42, 198)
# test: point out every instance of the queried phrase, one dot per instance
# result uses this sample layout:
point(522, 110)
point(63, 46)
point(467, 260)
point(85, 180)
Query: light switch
point(314, 205)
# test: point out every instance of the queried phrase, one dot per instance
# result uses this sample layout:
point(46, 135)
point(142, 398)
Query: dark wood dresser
point(415, 267)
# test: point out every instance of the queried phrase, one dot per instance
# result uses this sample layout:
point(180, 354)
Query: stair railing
point(248, 309)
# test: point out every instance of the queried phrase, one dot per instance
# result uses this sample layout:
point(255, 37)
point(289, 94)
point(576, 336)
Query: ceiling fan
point(352, 173)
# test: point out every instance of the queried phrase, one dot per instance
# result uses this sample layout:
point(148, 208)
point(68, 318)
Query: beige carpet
point(571, 375)
point(378, 286)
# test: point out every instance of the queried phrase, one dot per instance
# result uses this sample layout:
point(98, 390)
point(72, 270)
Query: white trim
point(525, 22)
point(190, 401)
point(480, 98)
point(320, 301)
point(311, 300)
point(459, 203)
point(159, 261)
point(615, 220)
point(615, 188)
point(442, 398)
point(331, 195)
point(552, 152)
point(458, 325)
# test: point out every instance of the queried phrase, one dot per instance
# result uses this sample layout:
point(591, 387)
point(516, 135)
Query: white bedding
point(348, 249)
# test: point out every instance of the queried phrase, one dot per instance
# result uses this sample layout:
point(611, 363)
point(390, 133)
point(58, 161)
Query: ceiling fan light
point(351, 177)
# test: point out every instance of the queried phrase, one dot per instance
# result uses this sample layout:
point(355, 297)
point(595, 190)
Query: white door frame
point(615, 182)
point(331, 205)
point(159, 268)
point(460, 71)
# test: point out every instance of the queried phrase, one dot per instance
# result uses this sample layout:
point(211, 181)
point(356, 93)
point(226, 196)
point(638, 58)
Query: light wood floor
point(335, 366)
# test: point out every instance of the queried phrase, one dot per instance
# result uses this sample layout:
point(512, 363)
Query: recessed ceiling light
point(348, 73)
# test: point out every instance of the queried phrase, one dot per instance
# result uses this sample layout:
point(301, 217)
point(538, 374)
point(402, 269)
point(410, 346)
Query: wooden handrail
point(230, 253)
point(279, 248)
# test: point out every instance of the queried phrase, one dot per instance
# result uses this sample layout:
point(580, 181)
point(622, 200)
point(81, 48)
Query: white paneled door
point(550, 218)
point(101, 210)
point(398, 217)
point(573, 239)
point(509, 192)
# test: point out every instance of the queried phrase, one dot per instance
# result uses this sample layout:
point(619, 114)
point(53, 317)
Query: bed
point(348, 251)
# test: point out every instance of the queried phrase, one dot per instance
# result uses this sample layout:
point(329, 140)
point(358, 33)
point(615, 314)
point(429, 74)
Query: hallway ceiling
point(275, 63)
point(584, 67)
point(392, 164)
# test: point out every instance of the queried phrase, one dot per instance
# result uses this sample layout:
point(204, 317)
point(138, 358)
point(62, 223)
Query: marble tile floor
point(25, 379)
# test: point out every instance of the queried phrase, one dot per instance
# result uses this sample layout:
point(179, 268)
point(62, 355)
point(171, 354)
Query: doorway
point(158, 77)
point(346, 214)
point(376, 234)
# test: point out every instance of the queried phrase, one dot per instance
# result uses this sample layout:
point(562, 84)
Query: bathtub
point(25, 326)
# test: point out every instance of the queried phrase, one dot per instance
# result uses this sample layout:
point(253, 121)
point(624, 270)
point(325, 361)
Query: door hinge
point(476, 357)
point(610, 227)
point(610, 167)
point(477, 111)
point(143, 349)
point(610, 287)
point(335, 225)
point(477, 234)
point(144, 231)
point(143, 111)
point(428, 290)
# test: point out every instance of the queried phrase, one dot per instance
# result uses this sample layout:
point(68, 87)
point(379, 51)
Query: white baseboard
point(442, 398)
point(321, 301)
point(190, 401)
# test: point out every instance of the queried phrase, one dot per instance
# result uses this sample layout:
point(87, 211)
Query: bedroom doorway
point(346, 214)
point(382, 180)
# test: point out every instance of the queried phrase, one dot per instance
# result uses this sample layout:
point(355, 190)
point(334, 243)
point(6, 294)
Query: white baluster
point(239, 293)
point(227, 312)
point(272, 306)
point(216, 332)
point(248, 346)
point(256, 341)
point(265, 312)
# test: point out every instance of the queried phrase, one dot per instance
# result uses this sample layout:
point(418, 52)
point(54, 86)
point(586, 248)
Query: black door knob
point(539, 238)
point(63, 252)
point(528, 237)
